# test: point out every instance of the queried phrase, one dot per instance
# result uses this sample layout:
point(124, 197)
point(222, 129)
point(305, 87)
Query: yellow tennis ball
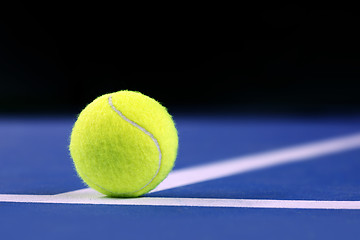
point(124, 144)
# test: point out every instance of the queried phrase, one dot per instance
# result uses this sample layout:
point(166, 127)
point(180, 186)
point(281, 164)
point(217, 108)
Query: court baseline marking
point(211, 171)
point(183, 202)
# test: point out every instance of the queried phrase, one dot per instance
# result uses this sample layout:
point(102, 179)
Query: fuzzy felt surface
point(117, 158)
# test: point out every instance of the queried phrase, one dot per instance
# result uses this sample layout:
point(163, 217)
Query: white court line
point(217, 170)
point(233, 166)
point(184, 202)
point(238, 165)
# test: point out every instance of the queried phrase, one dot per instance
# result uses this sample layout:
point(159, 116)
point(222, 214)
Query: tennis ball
point(124, 144)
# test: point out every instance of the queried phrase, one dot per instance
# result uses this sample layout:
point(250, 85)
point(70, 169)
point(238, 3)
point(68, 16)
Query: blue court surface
point(236, 177)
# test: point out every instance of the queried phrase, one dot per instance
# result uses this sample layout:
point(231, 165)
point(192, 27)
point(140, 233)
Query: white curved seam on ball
point(144, 131)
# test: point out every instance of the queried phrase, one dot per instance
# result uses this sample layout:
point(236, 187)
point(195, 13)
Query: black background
point(260, 59)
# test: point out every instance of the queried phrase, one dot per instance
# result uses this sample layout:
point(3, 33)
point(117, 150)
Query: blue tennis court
point(42, 197)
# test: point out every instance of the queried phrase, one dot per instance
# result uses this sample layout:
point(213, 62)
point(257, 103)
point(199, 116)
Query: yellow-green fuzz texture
point(124, 144)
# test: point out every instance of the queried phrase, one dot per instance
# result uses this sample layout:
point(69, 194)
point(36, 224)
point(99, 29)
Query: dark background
point(257, 59)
